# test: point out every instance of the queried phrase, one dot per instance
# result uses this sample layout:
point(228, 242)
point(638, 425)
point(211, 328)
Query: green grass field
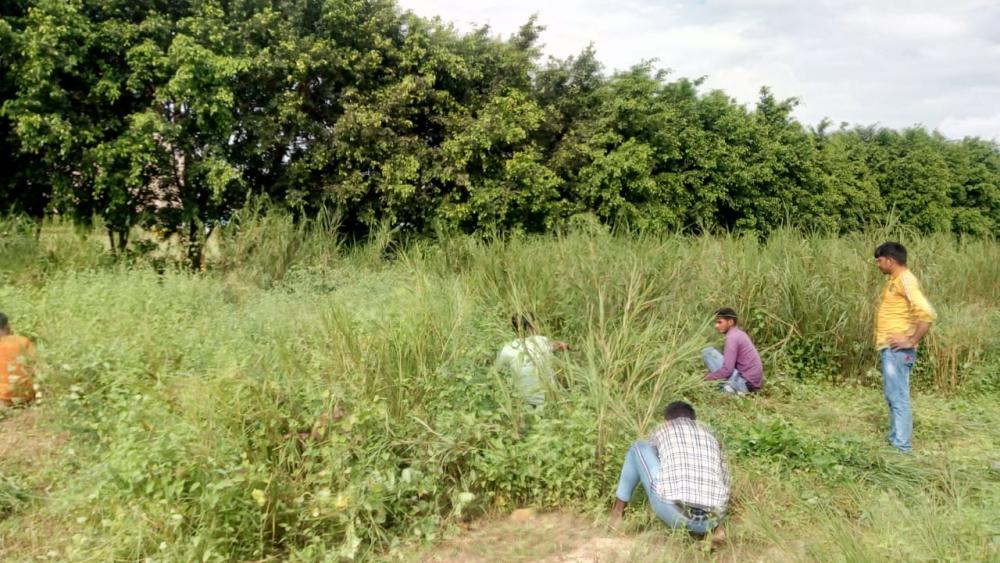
point(307, 400)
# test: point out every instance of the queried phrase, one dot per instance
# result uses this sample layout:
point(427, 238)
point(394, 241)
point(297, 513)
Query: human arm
point(920, 309)
point(21, 377)
point(729, 354)
point(907, 341)
point(559, 346)
point(657, 437)
point(502, 359)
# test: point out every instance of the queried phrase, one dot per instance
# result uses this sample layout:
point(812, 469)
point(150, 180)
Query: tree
point(913, 177)
point(18, 192)
point(974, 164)
point(172, 114)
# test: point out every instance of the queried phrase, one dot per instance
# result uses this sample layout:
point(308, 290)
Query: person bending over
point(528, 358)
point(682, 470)
point(16, 357)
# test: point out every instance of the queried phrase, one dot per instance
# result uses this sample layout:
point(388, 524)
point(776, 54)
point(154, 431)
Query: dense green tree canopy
point(173, 113)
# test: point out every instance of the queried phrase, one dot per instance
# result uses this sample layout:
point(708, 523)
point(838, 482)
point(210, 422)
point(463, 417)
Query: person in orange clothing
point(16, 356)
point(903, 318)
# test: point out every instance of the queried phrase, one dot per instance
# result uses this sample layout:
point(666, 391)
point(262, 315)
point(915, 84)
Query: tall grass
point(308, 399)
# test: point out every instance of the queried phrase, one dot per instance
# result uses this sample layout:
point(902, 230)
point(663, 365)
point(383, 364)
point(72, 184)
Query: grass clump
point(309, 401)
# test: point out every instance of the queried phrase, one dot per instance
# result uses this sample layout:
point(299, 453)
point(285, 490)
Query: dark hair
point(892, 250)
point(678, 409)
point(4, 322)
point(521, 322)
point(726, 313)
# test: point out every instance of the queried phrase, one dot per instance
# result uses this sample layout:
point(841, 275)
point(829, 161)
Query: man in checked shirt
point(682, 470)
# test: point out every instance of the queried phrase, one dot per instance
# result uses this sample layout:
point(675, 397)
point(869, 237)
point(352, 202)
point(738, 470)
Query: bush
point(346, 404)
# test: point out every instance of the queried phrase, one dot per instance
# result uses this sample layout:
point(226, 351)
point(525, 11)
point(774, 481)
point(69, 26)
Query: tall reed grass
point(309, 399)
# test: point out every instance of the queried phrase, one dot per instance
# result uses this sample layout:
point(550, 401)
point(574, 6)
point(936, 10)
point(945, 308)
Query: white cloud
point(987, 127)
point(906, 25)
point(893, 62)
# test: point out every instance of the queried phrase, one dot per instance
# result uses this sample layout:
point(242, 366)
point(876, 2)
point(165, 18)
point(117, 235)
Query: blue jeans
point(641, 466)
point(896, 366)
point(713, 361)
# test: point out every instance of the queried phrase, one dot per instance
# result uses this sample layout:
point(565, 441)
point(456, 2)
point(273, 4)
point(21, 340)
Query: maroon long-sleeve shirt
point(740, 354)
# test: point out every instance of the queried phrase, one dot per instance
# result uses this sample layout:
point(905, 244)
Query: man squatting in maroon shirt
point(739, 365)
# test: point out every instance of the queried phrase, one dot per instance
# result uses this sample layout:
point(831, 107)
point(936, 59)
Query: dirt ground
point(28, 445)
point(558, 537)
point(529, 536)
point(26, 441)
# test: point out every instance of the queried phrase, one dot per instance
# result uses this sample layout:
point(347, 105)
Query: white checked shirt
point(692, 467)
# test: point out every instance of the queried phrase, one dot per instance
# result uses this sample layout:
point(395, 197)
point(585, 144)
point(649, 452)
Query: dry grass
point(30, 447)
point(29, 441)
point(562, 537)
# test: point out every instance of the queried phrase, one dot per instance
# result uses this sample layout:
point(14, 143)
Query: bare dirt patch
point(27, 440)
point(560, 537)
point(29, 444)
point(530, 536)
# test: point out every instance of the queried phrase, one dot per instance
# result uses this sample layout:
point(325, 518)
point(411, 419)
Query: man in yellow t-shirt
point(16, 356)
point(903, 318)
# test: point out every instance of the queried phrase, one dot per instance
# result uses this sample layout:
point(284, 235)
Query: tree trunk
point(195, 246)
point(117, 246)
point(197, 240)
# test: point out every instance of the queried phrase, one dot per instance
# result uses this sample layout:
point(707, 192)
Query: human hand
point(901, 342)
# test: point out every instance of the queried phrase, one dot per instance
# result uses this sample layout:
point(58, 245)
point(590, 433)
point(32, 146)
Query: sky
point(886, 62)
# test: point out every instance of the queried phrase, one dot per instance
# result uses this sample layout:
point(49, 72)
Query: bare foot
point(617, 511)
point(718, 538)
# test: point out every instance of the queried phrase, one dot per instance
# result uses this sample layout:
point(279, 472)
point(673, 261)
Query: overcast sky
point(890, 62)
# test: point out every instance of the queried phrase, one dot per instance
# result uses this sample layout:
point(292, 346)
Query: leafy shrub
point(350, 406)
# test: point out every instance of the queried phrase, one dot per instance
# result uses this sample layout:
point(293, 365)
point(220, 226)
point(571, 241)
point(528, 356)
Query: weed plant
point(308, 398)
